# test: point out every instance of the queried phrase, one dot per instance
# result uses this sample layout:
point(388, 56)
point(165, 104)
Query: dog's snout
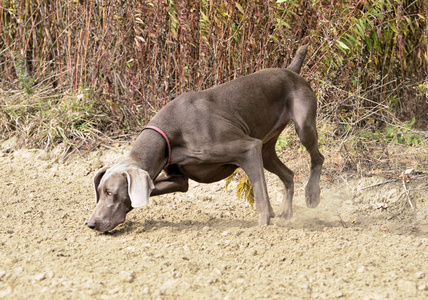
point(91, 224)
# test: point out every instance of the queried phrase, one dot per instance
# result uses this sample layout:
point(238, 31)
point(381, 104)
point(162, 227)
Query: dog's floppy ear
point(140, 185)
point(97, 180)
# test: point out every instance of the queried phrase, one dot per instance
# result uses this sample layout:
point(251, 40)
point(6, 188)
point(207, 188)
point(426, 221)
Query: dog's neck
point(149, 152)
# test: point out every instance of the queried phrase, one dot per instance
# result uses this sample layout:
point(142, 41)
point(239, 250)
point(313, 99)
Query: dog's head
point(118, 189)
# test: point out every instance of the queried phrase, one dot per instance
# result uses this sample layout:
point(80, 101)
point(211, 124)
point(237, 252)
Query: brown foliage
point(368, 61)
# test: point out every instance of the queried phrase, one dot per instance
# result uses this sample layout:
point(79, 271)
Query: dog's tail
point(296, 63)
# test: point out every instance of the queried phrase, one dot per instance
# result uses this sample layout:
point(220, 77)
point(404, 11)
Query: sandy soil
point(206, 244)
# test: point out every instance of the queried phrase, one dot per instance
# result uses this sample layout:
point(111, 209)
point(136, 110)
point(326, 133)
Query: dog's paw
point(312, 195)
point(286, 210)
point(288, 214)
point(264, 220)
point(271, 213)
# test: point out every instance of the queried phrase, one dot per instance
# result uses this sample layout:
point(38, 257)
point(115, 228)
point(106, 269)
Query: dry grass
point(135, 56)
point(45, 121)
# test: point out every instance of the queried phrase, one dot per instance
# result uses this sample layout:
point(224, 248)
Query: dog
point(206, 135)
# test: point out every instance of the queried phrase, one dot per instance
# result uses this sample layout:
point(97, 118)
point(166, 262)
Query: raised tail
point(296, 63)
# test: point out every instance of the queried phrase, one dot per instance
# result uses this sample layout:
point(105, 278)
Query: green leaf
point(369, 43)
point(282, 22)
point(274, 38)
point(353, 39)
point(239, 7)
point(342, 46)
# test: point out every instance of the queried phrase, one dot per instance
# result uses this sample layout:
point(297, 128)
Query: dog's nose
point(91, 224)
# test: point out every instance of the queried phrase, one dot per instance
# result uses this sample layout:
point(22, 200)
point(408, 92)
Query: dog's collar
point(158, 130)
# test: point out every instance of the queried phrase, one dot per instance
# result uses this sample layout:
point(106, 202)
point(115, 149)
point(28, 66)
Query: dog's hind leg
point(304, 110)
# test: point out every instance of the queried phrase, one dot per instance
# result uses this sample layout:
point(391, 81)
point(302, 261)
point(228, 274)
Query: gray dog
point(206, 135)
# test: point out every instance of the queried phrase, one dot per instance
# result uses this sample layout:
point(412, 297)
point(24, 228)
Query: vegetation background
point(79, 70)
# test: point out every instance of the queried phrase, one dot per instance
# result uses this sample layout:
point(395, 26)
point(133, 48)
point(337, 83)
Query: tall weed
point(367, 60)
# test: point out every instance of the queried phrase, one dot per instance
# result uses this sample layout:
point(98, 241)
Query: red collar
point(158, 130)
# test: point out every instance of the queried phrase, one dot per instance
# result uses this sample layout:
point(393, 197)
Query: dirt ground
point(206, 244)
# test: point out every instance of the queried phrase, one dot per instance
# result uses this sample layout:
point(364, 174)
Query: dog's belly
point(207, 173)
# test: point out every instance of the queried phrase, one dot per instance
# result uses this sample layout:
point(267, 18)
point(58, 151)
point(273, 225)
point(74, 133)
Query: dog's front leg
point(172, 180)
point(273, 164)
point(252, 163)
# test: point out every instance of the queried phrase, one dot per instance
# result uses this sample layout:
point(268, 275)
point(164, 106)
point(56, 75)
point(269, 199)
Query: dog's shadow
point(151, 226)
point(312, 224)
point(137, 227)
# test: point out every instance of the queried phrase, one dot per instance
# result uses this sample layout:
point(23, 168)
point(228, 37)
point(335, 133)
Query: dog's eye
point(109, 193)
